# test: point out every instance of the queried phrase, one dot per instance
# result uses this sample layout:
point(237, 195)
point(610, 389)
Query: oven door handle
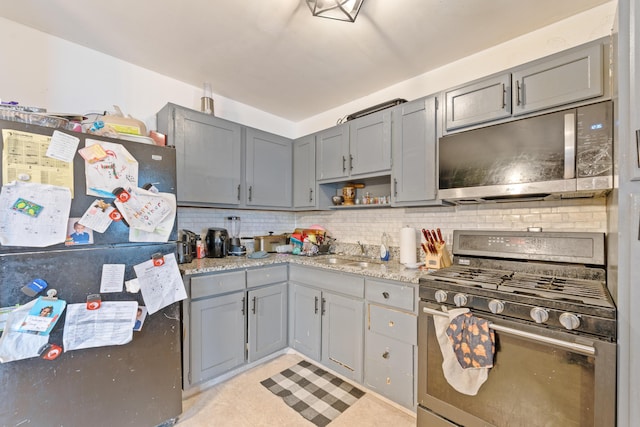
point(578, 348)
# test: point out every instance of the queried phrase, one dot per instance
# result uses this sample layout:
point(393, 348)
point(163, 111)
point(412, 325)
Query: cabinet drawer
point(394, 324)
point(218, 283)
point(389, 368)
point(390, 294)
point(266, 275)
point(342, 283)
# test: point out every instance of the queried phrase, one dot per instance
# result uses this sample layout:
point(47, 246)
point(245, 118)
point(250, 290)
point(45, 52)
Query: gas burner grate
point(477, 277)
point(592, 292)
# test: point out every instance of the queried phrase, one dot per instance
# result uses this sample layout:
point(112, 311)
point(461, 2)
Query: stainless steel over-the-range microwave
point(564, 154)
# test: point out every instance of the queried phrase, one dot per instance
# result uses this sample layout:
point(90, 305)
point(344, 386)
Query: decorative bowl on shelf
point(337, 200)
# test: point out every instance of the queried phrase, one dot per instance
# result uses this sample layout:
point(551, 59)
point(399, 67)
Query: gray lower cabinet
point(327, 318)
point(414, 172)
point(227, 325)
point(217, 336)
point(267, 327)
point(390, 362)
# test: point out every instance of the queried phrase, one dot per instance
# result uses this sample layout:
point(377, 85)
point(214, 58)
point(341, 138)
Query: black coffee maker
point(187, 247)
point(217, 241)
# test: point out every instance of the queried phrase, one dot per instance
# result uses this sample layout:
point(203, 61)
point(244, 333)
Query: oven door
point(539, 378)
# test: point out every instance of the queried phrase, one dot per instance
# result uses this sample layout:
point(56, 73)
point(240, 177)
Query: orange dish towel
point(472, 340)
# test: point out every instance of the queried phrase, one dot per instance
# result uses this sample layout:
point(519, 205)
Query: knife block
point(441, 259)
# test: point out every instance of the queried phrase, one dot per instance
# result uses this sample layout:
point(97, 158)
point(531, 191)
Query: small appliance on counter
point(235, 245)
point(217, 242)
point(269, 243)
point(187, 246)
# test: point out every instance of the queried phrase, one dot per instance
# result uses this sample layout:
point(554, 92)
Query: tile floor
point(243, 401)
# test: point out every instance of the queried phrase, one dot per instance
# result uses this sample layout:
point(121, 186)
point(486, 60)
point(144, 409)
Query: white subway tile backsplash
point(367, 225)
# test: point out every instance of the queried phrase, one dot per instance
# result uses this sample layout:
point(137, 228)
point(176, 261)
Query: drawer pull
point(385, 295)
point(385, 355)
point(315, 309)
point(391, 324)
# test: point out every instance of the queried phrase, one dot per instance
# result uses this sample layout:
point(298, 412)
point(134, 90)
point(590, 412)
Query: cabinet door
point(569, 77)
point(482, 101)
point(370, 144)
point(332, 152)
point(343, 335)
point(414, 152)
point(217, 336)
point(304, 172)
point(305, 320)
point(208, 158)
point(268, 169)
point(267, 320)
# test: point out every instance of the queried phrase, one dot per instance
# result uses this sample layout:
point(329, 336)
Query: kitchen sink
point(350, 262)
point(364, 264)
point(336, 261)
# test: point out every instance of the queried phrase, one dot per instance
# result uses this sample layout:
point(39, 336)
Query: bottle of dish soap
point(384, 247)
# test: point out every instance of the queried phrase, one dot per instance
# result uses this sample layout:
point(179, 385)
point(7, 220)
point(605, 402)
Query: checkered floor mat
point(313, 392)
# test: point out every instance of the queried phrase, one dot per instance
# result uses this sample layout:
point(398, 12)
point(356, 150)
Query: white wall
point(37, 69)
point(590, 25)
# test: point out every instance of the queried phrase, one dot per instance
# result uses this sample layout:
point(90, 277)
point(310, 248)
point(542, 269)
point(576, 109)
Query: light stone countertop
point(389, 270)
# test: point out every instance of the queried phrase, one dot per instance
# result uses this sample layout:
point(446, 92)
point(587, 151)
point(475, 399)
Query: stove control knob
point(539, 315)
point(441, 296)
point(569, 320)
point(496, 306)
point(460, 300)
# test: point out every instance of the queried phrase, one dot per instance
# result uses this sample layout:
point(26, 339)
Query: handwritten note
point(118, 169)
point(160, 285)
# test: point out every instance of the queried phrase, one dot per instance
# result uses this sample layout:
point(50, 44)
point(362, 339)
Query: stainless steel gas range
point(545, 297)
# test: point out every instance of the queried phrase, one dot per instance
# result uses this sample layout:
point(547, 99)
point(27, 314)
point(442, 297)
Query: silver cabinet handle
point(350, 162)
point(344, 167)
point(517, 92)
point(578, 348)
point(238, 192)
point(395, 187)
point(242, 309)
point(385, 355)
point(311, 194)
point(250, 192)
point(315, 309)
point(322, 306)
point(253, 309)
point(504, 96)
point(569, 145)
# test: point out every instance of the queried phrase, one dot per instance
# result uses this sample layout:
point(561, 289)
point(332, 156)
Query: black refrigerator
point(135, 384)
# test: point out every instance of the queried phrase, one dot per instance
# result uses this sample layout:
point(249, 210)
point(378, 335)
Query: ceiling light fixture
point(342, 10)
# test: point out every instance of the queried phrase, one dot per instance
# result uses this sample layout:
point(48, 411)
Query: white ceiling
point(273, 55)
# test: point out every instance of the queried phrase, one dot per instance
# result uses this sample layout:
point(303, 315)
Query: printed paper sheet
point(45, 226)
point(111, 324)
point(160, 285)
point(24, 158)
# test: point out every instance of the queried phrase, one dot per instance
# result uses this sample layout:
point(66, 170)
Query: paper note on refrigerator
point(144, 209)
point(24, 159)
point(19, 226)
point(111, 324)
point(163, 228)
point(63, 146)
point(161, 285)
point(118, 169)
point(15, 345)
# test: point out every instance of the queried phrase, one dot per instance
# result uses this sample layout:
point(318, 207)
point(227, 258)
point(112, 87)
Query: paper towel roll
point(408, 245)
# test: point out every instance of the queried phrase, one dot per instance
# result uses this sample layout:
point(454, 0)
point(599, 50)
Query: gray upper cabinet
point(332, 153)
point(370, 144)
point(414, 172)
point(208, 155)
point(304, 172)
point(573, 76)
point(360, 148)
point(482, 101)
point(269, 160)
